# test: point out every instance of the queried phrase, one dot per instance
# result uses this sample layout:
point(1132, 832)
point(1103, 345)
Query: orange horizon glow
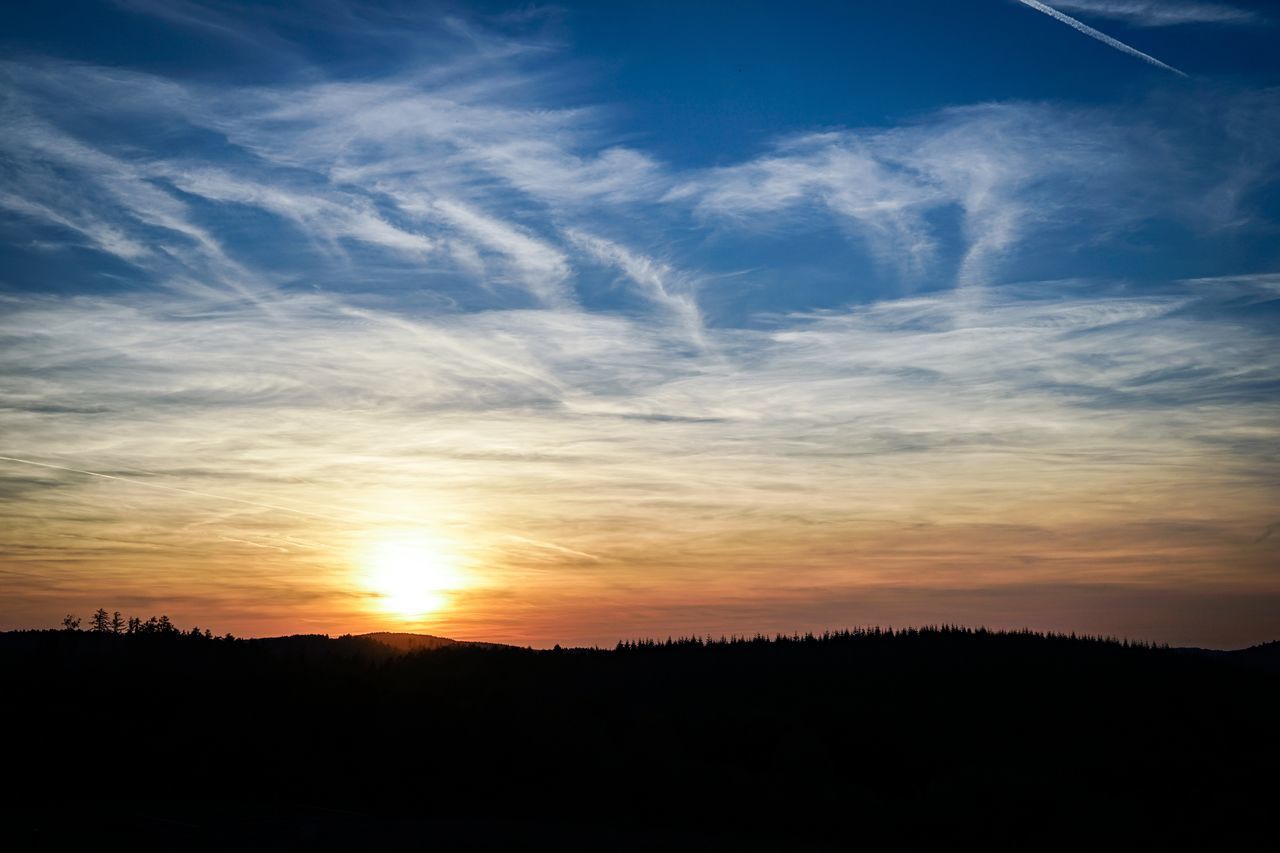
point(596, 585)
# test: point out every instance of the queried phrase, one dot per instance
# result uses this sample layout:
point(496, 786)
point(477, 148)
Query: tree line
point(916, 738)
point(102, 622)
point(853, 635)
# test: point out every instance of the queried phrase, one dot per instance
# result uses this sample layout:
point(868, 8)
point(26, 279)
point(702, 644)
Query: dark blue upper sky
point(708, 82)
point(703, 86)
point(703, 81)
point(813, 154)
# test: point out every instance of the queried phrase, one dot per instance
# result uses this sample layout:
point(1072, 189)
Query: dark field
point(930, 739)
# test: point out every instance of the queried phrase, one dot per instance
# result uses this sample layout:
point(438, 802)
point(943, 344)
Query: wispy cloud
point(998, 176)
point(458, 185)
point(540, 266)
point(661, 284)
point(331, 219)
point(1095, 34)
point(1163, 13)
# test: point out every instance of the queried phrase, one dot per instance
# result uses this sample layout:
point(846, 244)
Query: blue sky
point(679, 97)
point(627, 302)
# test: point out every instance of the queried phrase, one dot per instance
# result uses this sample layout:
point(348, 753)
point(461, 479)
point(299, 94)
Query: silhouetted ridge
point(1264, 656)
point(421, 642)
point(918, 737)
point(408, 642)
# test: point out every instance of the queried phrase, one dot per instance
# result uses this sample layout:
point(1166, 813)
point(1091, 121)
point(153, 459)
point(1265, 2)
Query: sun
point(411, 575)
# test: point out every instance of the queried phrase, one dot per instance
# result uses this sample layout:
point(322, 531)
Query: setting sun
point(411, 575)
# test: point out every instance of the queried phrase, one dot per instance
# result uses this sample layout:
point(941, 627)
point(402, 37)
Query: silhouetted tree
point(134, 625)
point(70, 623)
point(100, 621)
point(117, 623)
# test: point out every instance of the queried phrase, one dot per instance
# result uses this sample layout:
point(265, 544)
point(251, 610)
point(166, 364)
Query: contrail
point(551, 546)
point(1102, 37)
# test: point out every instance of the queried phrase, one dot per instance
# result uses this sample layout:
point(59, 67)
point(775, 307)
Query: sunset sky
point(568, 323)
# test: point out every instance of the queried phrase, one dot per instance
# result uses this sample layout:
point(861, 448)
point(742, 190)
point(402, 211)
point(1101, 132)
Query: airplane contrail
point(551, 546)
point(1102, 37)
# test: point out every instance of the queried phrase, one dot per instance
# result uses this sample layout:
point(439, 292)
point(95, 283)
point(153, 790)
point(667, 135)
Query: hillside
point(421, 642)
point(408, 642)
point(856, 740)
point(1263, 656)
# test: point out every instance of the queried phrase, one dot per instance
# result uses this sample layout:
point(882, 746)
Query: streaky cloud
point(134, 481)
point(659, 281)
point(1163, 13)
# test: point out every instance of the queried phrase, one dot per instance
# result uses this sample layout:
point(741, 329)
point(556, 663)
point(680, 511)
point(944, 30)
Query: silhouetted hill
point(408, 642)
point(420, 642)
point(1265, 656)
point(916, 739)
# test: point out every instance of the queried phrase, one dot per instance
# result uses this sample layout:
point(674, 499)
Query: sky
point(579, 322)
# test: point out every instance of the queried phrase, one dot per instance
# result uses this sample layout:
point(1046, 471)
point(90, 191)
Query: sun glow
point(411, 575)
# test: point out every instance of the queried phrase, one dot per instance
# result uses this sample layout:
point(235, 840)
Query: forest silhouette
point(863, 739)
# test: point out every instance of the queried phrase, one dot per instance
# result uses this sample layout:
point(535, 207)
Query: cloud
point(660, 283)
point(1163, 13)
point(846, 173)
point(425, 178)
point(1011, 171)
point(111, 200)
point(100, 235)
point(351, 218)
point(415, 165)
point(964, 194)
point(541, 267)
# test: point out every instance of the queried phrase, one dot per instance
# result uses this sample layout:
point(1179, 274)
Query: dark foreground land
point(932, 739)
